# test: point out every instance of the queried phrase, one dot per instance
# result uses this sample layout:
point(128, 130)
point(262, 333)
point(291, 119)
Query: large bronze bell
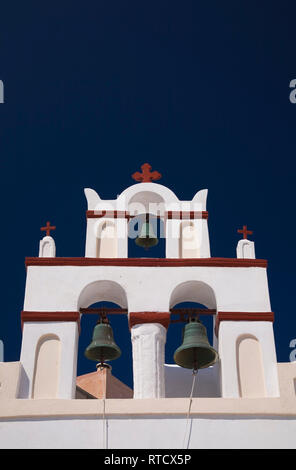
point(147, 237)
point(195, 351)
point(103, 347)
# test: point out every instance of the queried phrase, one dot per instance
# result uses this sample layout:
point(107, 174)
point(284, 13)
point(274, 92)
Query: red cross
point(146, 176)
point(48, 228)
point(245, 232)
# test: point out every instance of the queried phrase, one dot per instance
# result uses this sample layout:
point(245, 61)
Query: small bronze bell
point(147, 237)
point(103, 347)
point(195, 351)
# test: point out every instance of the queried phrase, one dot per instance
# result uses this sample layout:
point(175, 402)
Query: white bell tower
point(234, 291)
point(244, 391)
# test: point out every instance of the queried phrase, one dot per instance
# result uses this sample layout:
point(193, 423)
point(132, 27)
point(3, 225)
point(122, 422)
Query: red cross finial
point(47, 228)
point(245, 232)
point(146, 176)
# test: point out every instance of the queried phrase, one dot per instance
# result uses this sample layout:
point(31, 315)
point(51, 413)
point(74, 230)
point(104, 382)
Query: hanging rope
point(194, 374)
point(104, 424)
point(101, 366)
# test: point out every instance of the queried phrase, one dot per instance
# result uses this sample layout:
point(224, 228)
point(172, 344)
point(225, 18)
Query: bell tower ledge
point(157, 262)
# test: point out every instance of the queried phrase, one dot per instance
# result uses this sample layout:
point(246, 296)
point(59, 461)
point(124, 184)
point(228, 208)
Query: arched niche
point(108, 295)
point(121, 367)
point(47, 367)
point(188, 240)
point(250, 370)
point(155, 200)
point(193, 294)
point(157, 228)
point(106, 240)
point(143, 205)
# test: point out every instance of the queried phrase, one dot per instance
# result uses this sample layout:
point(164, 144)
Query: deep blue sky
point(200, 90)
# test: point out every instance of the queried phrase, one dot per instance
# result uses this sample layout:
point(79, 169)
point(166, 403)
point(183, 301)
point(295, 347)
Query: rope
point(194, 373)
point(104, 424)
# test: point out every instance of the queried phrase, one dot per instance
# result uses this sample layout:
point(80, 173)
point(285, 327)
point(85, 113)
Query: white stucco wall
point(149, 433)
point(58, 288)
point(178, 381)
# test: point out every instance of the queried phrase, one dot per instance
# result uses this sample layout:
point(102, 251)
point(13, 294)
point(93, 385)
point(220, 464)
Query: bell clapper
point(103, 365)
point(194, 361)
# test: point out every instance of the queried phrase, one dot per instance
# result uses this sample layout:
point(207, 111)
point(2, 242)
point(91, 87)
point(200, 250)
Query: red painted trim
point(102, 310)
point(242, 316)
point(187, 215)
point(136, 318)
point(147, 262)
point(50, 316)
point(97, 214)
point(109, 214)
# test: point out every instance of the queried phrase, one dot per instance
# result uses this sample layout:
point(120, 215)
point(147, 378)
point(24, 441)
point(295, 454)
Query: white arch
point(102, 291)
point(166, 195)
point(193, 291)
point(146, 202)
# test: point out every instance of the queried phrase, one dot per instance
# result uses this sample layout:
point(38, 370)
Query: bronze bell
point(147, 237)
point(195, 351)
point(103, 347)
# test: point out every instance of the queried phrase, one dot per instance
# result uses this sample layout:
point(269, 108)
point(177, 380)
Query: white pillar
point(90, 243)
point(205, 251)
point(122, 238)
point(172, 236)
point(148, 340)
